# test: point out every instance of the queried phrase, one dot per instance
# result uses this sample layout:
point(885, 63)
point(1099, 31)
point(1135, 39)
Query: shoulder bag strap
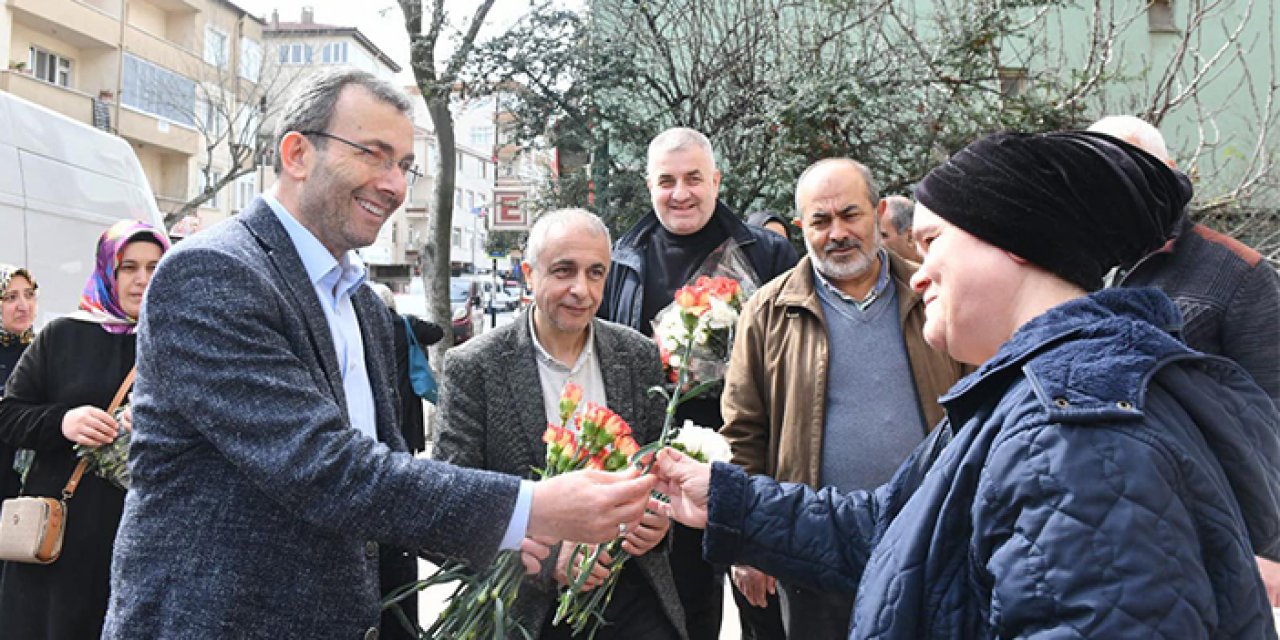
point(78, 473)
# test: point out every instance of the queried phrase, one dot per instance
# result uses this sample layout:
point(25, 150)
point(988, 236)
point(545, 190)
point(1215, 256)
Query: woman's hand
point(89, 426)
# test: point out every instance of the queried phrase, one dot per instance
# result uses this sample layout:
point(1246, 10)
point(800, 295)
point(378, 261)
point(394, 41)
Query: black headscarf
point(1075, 203)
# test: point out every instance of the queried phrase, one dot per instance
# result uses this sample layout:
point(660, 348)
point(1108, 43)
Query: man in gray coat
point(501, 388)
point(267, 460)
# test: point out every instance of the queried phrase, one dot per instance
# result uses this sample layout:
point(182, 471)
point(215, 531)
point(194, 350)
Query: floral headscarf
point(99, 302)
point(7, 273)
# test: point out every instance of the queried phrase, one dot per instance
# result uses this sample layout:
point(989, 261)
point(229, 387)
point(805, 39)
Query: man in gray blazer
point(267, 460)
point(501, 388)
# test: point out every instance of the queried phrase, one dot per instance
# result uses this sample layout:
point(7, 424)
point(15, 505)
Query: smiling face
point(138, 262)
point(347, 196)
point(568, 279)
point(839, 224)
point(970, 289)
point(683, 186)
point(18, 305)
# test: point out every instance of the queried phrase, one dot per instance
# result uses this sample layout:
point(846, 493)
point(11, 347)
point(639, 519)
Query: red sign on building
point(510, 214)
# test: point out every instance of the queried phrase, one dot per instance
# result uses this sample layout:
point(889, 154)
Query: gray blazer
point(256, 509)
point(492, 417)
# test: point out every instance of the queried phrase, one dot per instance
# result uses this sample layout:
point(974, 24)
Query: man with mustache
point(831, 382)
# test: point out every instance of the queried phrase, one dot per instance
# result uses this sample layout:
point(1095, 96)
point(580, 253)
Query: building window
point(296, 53)
point(471, 202)
point(207, 178)
point(246, 191)
point(1160, 16)
point(457, 198)
point(457, 237)
point(482, 137)
point(215, 46)
point(250, 59)
point(1013, 82)
point(209, 118)
point(334, 53)
point(157, 91)
point(50, 67)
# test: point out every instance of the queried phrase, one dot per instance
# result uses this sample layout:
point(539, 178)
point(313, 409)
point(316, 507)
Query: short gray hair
point(675, 139)
point(873, 191)
point(901, 212)
point(561, 217)
point(1135, 131)
point(311, 107)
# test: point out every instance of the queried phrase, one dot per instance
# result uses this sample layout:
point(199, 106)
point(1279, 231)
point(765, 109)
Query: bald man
point(1228, 295)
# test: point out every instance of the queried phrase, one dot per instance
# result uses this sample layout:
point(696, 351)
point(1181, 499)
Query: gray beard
point(832, 270)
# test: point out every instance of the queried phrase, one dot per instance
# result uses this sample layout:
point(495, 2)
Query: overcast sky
point(382, 22)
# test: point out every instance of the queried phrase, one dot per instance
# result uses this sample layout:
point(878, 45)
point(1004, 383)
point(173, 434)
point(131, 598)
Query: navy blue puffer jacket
point(1095, 479)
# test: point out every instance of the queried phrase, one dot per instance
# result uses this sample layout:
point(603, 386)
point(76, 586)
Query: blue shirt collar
point(322, 269)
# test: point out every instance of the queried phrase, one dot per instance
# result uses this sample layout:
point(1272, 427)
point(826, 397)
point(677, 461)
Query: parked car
point(495, 297)
point(464, 301)
point(464, 305)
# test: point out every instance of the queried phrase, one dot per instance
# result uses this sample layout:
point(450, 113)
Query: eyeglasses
point(12, 296)
point(374, 157)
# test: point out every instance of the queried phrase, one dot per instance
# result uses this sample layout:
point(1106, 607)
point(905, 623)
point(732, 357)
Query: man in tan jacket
point(831, 382)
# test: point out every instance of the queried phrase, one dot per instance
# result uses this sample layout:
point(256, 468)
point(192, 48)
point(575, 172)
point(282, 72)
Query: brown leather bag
point(32, 527)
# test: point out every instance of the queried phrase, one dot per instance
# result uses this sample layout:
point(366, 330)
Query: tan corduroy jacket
point(774, 396)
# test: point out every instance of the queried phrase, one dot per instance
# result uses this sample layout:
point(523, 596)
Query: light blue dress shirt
point(334, 282)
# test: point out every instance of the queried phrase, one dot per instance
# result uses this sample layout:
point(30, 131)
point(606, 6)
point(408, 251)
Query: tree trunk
point(435, 252)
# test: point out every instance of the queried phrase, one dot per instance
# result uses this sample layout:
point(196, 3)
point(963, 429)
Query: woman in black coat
point(17, 322)
point(55, 399)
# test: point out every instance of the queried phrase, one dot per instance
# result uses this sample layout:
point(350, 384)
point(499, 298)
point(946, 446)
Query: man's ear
point(884, 204)
point(293, 154)
point(527, 270)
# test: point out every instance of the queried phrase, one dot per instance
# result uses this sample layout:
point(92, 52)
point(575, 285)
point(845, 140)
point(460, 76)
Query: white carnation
point(707, 442)
point(721, 315)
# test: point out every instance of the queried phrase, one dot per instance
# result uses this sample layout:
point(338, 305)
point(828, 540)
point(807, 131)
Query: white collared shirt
point(334, 282)
point(554, 375)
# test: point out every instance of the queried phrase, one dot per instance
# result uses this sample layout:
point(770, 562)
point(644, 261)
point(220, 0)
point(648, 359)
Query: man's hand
point(533, 551)
point(89, 426)
point(568, 566)
point(687, 483)
point(651, 530)
point(755, 584)
point(588, 505)
point(1271, 578)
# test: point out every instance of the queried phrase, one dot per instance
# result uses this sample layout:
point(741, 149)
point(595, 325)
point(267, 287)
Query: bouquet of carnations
point(110, 461)
point(695, 332)
point(482, 605)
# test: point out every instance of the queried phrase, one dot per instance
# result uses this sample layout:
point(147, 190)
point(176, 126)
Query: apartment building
point(172, 77)
point(474, 175)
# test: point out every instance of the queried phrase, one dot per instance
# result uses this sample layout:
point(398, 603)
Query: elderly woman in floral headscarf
point(55, 399)
point(17, 317)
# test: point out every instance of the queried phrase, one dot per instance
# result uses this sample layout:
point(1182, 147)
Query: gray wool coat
point(256, 510)
point(492, 417)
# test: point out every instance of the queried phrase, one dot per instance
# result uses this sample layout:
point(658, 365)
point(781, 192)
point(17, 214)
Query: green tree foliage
point(899, 85)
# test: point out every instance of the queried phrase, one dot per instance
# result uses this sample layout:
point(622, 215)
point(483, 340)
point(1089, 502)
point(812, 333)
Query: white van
point(62, 183)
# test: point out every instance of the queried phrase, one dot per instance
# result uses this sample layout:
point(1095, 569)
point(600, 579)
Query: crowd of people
point(1035, 400)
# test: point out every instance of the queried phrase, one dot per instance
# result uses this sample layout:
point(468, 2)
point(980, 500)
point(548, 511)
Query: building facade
point(177, 79)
